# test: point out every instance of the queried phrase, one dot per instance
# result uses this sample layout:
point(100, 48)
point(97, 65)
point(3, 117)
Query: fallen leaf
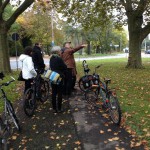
point(78, 142)
point(102, 132)
point(14, 137)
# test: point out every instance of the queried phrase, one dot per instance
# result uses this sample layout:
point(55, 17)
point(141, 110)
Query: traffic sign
point(15, 36)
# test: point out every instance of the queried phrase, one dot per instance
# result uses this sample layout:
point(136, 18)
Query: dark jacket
point(37, 58)
point(58, 65)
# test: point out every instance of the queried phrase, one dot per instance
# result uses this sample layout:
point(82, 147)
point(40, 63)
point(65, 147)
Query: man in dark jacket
point(37, 57)
point(68, 57)
point(38, 62)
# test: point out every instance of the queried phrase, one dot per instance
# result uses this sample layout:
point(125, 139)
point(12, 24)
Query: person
point(67, 55)
point(57, 65)
point(37, 57)
point(28, 71)
point(39, 65)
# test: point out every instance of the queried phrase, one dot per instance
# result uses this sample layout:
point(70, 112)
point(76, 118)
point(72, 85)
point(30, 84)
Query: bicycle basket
point(96, 79)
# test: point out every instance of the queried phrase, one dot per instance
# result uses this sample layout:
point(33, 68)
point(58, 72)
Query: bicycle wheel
point(85, 83)
point(44, 91)
point(13, 117)
point(114, 109)
point(29, 102)
point(103, 97)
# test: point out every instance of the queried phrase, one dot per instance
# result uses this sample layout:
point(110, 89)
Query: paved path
point(95, 129)
point(80, 127)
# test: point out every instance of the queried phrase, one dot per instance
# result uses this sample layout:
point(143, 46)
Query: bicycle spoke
point(29, 102)
point(114, 109)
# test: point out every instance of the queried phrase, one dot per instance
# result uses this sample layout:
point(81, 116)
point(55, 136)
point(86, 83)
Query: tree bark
point(134, 59)
point(135, 21)
point(89, 48)
point(4, 51)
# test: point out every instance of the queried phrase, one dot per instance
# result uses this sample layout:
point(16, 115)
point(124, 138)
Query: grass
point(84, 55)
point(133, 90)
point(12, 91)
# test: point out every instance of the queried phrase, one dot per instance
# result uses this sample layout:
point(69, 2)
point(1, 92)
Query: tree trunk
point(4, 50)
point(88, 48)
point(135, 41)
point(134, 59)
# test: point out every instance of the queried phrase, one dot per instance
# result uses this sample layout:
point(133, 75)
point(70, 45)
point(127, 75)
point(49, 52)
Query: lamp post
point(52, 25)
point(52, 22)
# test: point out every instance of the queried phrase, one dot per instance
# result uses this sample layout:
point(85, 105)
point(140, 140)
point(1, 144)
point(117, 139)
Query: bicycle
point(9, 118)
point(85, 81)
point(39, 90)
point(105, 96)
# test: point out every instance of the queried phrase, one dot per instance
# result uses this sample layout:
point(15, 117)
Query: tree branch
point(123, 3)
point(18, 11)
point(2, 6)
point(145, 31)
point(141, 7)
point(128, 6)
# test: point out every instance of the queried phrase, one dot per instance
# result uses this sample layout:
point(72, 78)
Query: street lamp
point(52, 22)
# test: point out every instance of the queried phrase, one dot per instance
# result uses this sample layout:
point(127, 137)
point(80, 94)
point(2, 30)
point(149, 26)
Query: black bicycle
point(9, 119)
point(85, 82)
point(98, 94)
point(38, 91)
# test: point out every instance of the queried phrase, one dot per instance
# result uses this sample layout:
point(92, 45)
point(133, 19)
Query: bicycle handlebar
point(83, 63)
point(7, 83)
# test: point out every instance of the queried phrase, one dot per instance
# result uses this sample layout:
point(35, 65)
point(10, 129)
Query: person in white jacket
point(28, 71)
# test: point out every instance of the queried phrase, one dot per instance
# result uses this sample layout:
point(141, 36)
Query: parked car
point(147, 51)
point(126, 50)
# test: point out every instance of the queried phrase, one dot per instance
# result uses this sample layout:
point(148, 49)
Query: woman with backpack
point(57, 65)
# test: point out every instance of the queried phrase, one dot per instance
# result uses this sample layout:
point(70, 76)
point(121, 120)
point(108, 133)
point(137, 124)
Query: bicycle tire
point(13, 116)
point(11, 113)
point(114, 109)
point(103, 97)
point(44, 91)
point(82, 84)
point(29, 102)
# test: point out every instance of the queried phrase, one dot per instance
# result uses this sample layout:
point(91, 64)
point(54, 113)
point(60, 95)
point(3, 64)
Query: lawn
point(133, 91)
point(12, 91)
point(84, 55)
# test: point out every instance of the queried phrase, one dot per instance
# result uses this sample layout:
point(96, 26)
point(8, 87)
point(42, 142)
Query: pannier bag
point(53, 76)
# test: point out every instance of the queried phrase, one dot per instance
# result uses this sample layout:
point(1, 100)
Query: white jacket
point(28, 70)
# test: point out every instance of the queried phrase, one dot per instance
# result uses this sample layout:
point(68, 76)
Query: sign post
point(15, 37)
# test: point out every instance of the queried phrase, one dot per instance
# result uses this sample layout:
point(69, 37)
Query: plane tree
point(134, 13)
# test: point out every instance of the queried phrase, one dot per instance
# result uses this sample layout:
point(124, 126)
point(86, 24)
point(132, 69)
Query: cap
point(55, 48)
point(66, 43)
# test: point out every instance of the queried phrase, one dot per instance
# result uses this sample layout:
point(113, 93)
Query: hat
point(66, 43)
point(55, 48)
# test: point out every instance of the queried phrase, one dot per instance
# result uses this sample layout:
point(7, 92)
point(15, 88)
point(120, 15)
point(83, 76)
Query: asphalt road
point(14, 62)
